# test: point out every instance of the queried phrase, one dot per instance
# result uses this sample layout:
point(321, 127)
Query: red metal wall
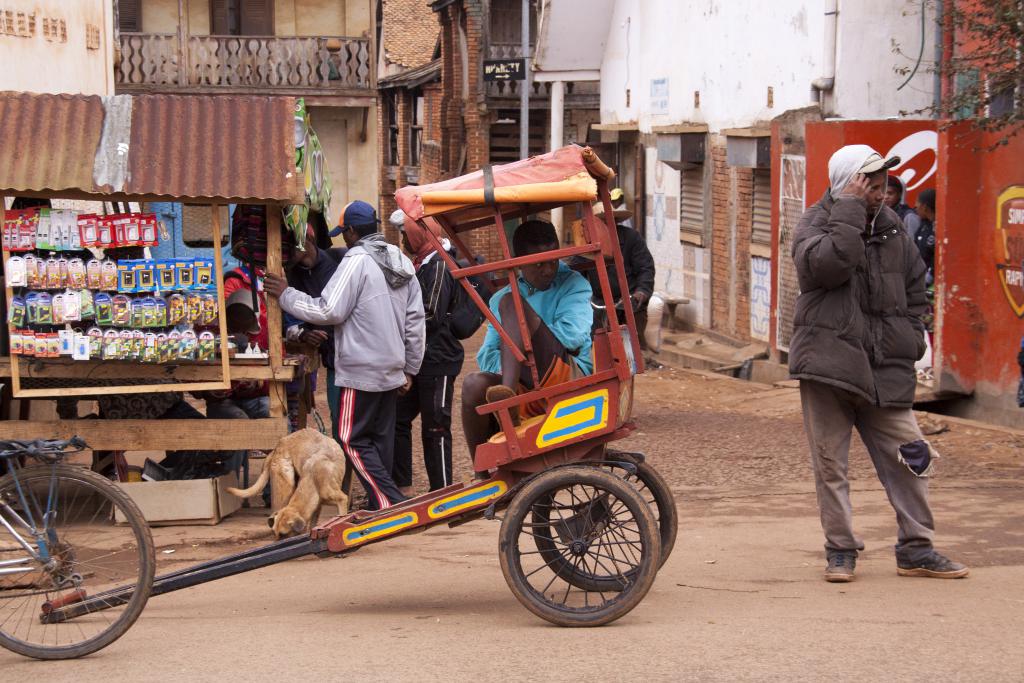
point(914, 141)
point(980, 293)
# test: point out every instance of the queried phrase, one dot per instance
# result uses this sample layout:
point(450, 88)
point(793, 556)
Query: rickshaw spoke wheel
point(655, 491)
point(579, 546)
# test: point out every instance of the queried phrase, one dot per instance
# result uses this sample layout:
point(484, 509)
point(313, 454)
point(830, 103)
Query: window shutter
point(761, 214)
point(691, 204)
point(129, 16)
point(219, 23)
point(257, 17)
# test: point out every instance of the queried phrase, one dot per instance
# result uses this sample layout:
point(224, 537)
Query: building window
point(761, 213)
point(416, 129)
point(391, 126)
point(129, 16)
point(242, 17)
point(691, 204)
point(1002, 102)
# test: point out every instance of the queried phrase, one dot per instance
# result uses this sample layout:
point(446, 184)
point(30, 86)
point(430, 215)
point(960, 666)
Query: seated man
point(556, 304)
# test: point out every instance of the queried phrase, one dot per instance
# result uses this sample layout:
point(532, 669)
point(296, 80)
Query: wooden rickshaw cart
point(584, 529)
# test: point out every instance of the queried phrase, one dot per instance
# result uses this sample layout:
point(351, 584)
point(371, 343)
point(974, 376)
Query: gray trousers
point(830, 414)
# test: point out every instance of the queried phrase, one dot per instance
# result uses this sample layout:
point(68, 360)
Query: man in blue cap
point(374, 304)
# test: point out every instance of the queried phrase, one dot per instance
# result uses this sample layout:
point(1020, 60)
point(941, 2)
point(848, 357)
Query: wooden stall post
point(218, 274)
point(9, 293)
point(278, 399)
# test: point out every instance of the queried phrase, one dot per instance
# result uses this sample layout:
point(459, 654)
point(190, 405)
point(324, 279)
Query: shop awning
point(203, 148)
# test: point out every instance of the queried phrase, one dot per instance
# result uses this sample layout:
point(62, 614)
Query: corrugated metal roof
point(411, 78)
point(183, 146)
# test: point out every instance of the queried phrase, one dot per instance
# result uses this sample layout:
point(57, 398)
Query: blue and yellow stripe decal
point(574, 417)
point(379, 527)
point(468, 498)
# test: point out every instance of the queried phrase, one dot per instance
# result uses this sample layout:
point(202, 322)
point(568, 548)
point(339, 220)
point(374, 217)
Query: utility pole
point(524, 86)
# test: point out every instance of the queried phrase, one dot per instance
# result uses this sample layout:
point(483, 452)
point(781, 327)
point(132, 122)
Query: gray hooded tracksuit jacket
point(373, 301)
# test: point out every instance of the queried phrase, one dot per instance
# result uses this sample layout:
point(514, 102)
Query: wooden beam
point(278, 398)
point(158, 435)
point(218, 275)
point(113, 369)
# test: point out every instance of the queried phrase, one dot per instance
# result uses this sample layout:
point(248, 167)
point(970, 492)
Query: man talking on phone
point(857, 333)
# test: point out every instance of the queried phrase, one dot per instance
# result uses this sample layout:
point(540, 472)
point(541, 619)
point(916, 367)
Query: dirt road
point(741, 598)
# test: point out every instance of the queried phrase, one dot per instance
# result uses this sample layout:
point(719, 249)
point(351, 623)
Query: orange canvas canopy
point(566, 175)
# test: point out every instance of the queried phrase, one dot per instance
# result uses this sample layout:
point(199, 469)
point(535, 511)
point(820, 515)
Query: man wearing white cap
point(857, 333)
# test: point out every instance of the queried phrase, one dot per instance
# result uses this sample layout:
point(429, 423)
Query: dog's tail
point(255, 488)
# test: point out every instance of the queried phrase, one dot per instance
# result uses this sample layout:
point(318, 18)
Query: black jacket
point(444, 353)
point(924, 238)
point(637, 262)
point(312, 281)
point(857, 323)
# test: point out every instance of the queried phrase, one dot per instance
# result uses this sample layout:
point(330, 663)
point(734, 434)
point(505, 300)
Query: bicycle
point(66, 535)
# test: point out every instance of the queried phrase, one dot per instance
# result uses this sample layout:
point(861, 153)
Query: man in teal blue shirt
point(556, 304)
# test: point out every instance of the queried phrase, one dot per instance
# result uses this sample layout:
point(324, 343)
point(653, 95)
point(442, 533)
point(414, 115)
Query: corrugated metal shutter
point(691, 203)
point(761, 214)
point(219, 21)
point(791, 208)
point(129, 16)
point(257, 17)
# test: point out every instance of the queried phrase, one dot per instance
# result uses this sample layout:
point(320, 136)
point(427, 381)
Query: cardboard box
point(190, 501)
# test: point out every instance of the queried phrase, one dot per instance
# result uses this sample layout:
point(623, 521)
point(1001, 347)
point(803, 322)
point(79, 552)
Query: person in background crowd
point(620, 207)
point(896, 199)
point(433, 390)
point(374, 304)
point(246, 398)
point(857, 334)
point(636, 261)
point(309, 273)
point(924, 236)
point(559, 317)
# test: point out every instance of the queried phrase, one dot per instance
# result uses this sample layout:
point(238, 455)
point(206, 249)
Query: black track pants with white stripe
point(366, 430)
point(431, 398)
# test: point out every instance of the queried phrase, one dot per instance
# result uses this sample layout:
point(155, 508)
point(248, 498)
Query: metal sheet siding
point(47, 142)
point(213, 146)
point(198, 147)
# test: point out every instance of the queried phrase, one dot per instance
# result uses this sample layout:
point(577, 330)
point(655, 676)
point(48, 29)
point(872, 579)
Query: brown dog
point(318, 463)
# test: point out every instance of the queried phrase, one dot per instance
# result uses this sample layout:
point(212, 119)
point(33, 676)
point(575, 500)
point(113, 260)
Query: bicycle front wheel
point(92, 539)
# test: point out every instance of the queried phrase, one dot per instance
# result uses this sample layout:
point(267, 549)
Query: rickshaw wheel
point(601, 546)
point(653, 488)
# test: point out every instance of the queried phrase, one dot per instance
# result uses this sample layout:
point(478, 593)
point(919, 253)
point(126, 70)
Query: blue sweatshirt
point(565, 309)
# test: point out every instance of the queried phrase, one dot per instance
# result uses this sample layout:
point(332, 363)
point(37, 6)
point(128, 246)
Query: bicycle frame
point(40, 536)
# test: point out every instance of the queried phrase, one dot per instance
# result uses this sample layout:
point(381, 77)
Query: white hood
point(845, 164)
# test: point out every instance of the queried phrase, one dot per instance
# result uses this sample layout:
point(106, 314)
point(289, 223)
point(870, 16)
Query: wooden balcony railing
point(153, 61)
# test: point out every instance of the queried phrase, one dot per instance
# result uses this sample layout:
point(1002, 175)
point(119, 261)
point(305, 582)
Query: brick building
point(439, 118)
point(410, 73)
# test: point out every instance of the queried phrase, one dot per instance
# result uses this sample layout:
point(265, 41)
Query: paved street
point(740, 599)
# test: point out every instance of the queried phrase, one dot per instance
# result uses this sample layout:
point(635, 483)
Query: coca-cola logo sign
point(1010, 246)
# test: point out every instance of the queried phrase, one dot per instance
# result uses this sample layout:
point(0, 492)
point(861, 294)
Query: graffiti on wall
point(1010, 246)
point(760, 297)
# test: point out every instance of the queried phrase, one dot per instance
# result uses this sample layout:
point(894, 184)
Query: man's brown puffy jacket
point(862, 294)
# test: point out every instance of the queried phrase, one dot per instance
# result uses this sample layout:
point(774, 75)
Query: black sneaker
point(933, 566)
point(840, 568)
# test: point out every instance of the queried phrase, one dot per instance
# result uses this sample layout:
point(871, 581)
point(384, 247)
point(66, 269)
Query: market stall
point(81, 322)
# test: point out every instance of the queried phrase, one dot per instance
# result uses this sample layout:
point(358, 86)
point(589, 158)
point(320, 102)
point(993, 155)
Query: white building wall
point(876, 39)
point(32, 61)
point(732, 51)
point(659, 53)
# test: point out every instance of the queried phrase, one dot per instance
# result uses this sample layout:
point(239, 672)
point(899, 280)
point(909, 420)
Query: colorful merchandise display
point(68, 303)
